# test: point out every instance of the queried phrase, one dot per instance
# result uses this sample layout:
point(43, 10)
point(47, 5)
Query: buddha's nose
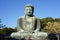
point(29, 12)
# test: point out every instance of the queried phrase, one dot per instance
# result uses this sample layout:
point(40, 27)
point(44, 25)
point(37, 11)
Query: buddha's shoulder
point(36, 17)
point(21, 17)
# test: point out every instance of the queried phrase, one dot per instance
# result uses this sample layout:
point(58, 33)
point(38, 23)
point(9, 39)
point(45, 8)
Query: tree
point(57, 20)
point(44, 21)
point(1, 25)
point(7, 30)
point(52, 27)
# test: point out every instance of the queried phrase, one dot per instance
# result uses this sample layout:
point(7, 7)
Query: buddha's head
point(29, 9)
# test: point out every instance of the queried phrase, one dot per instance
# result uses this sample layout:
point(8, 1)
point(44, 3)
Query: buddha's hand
point(34, 31)
point(21, 31)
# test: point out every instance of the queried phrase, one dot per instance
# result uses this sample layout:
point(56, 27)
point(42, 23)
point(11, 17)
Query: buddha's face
point(28, 11)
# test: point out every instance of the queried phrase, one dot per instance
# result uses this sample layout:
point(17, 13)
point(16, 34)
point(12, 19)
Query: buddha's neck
point(28, 16)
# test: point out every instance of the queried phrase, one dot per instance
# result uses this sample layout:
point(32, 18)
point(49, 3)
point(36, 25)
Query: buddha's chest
point(29, 20)
point(28, 23)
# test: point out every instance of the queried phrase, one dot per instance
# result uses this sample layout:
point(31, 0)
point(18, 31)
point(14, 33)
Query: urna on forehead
point(29, 5)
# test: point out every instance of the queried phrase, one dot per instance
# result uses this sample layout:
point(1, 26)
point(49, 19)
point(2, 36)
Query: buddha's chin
point(30, 15)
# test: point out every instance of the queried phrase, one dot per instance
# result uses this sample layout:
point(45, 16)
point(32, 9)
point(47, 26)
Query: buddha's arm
point(19, 25)
point(38, 26)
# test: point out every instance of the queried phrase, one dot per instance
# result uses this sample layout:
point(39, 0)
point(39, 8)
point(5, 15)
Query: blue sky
point(10, 10)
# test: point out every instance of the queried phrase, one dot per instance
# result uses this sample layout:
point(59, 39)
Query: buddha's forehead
point(28, 7)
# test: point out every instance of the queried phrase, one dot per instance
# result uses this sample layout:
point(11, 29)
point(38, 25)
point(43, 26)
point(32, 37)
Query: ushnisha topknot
point(29, 5)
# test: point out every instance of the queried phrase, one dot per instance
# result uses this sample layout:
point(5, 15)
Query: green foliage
point(57, 20)
point(44, 21)
point(7, 30)
point(2, 32)
point(4, 29)
point(50, 25)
